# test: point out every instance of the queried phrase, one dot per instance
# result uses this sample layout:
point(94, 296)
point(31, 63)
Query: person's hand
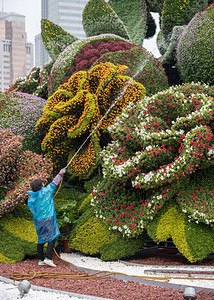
point(62, 171)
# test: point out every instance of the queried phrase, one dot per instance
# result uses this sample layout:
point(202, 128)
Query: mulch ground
point(108, 287)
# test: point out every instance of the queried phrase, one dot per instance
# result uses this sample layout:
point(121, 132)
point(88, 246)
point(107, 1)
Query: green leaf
point(98, 17)
point(55, 38)
point(133, 14)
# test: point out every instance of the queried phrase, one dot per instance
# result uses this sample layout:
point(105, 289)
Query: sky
point(32, 10)
point(29, 8)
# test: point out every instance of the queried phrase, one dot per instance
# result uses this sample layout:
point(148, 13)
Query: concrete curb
point(147, 281)
point(44, 289)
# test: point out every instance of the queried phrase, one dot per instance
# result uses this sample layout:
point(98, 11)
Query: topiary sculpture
point(114, 17)
point(73, 113)
point(81, 55)
point(195, 48)
point(18, 169)
point(158, 171)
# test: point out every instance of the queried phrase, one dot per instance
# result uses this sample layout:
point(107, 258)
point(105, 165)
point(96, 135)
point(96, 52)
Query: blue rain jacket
point(41, 204)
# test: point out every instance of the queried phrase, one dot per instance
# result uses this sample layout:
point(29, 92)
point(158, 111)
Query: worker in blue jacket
point(41, 204)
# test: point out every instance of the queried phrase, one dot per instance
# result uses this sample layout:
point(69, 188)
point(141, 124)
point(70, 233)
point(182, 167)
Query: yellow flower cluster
point(73, 113)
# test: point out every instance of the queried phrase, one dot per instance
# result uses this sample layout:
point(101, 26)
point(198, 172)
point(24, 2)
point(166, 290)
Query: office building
point(16, 54)
point(65, 13)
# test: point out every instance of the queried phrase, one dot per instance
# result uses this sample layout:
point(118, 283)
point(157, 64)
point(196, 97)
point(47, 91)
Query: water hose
point(31, 274)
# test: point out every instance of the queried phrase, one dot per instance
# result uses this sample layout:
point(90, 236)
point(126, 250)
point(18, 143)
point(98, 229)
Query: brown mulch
point(105, 287)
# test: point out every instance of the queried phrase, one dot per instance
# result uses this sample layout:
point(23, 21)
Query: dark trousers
point(40, 250)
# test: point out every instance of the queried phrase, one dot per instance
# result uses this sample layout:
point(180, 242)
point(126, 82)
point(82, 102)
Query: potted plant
point(66, 219)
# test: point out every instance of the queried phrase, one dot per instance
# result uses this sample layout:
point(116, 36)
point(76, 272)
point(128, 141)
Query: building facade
point(16, 55)
point(65, 13)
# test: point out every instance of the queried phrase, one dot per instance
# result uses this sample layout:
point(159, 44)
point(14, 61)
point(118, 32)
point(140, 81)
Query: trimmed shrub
point(99, 17)
point(179, 12)
point(91, 236)
point(55, 39)
point(74, 112)
point(18, 238)
point(74, 57)
point(143, 67)
point(122, 248)
point(133, 14)
point(161, 145)
point(18, 169)
point(195, 59)
point(19, 114)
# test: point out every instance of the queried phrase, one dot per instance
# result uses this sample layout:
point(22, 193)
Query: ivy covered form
point(162, 153)
point(74, 111)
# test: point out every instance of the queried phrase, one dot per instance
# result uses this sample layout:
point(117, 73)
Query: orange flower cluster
point(73, 113)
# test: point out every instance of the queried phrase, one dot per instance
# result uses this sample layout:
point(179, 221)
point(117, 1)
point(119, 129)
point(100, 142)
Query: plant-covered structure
point(195, 59)
point(73, 113)
point(143, 67)
point(114, 17)
point(55, 38)
point(158, 171)
point(81, 55)
point(179, 12)
point(18, 169)
point(19, 114)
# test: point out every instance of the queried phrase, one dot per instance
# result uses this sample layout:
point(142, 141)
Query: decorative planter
point(65, 246)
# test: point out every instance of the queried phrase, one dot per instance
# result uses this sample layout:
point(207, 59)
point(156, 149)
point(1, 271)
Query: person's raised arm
point(58, 177)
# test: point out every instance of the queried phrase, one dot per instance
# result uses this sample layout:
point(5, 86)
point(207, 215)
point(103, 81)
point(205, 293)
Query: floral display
point(27, 84)
point(195, 59)
point(114, 17)
point(19, 114)
point(18, 169)
point(34, 83)
point(55, 38)
point(143, 67)
point(74, 114)
point(73, 58)
point(162, 152)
